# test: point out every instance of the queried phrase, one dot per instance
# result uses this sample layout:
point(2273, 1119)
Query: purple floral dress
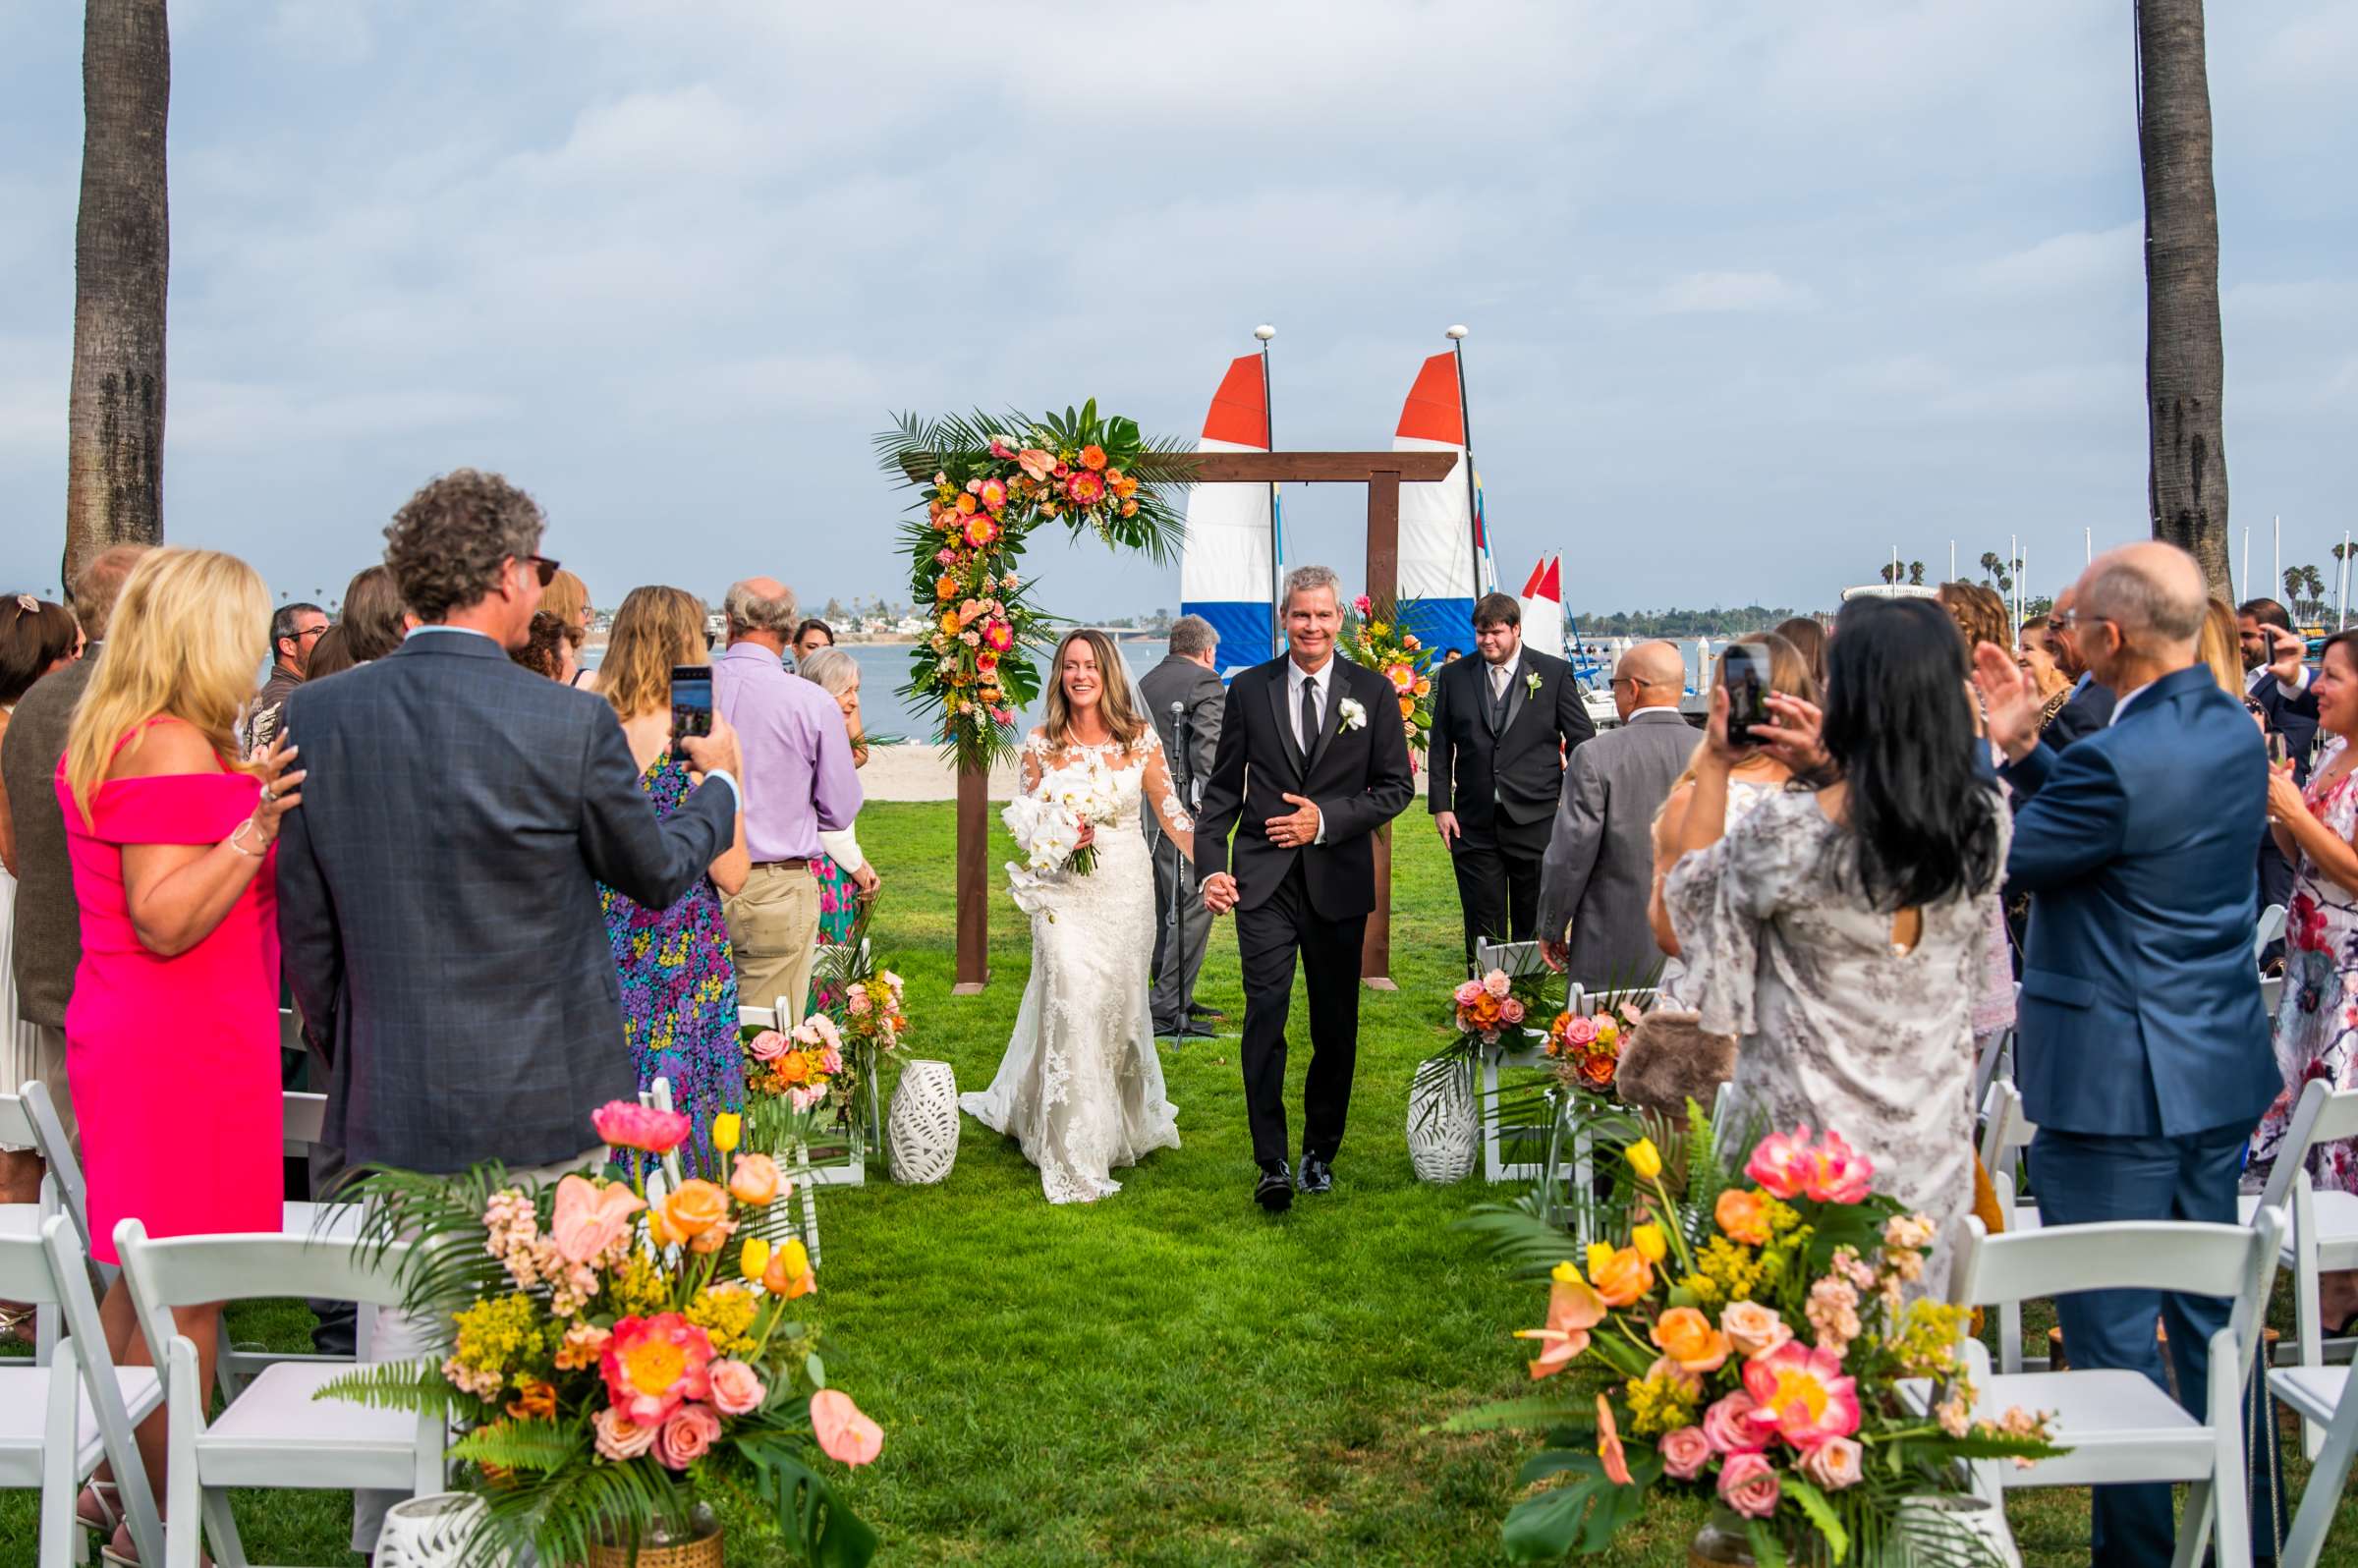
point(678, 989)
point(2317, 1021)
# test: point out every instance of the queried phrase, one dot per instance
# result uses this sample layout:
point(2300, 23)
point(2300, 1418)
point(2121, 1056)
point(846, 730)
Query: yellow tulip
point(1645, 1158)
point(1565, 1274)
point(725, 1130)
point(1649, 1243)
point(753, 1259)
point(1600, 1254)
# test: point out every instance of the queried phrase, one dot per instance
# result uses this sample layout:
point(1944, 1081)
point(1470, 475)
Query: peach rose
point(755, 1179)
point(768, 1045)
point(1742, 1216)
point(844, 1434)
point(1834, 1464)
point(695, 1207)
point(1687, 1337)
point(736, 1388)
point(686, 1436)
point(1620, 1277)
point(1684, 1453)
point(1754, 1329)
point(620, 1439)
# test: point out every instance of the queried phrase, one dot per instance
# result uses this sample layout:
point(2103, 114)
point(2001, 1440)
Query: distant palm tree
point(1888, 571)
point(2186, 471)
point(1915, 573)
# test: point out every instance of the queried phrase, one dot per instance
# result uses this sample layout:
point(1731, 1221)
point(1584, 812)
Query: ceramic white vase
point(921, 1130)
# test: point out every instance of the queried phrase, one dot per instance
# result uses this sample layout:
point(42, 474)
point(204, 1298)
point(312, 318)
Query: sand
point(912, 772)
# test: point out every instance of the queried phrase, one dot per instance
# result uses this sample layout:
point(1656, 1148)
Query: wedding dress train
point(1080, 1086)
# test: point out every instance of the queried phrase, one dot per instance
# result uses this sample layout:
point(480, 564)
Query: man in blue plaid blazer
point(438, 902)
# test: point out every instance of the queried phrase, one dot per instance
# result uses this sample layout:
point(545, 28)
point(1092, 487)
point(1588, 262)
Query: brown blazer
point(49, 946)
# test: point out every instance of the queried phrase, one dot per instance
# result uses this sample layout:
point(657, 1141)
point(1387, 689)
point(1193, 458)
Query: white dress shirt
point(2291, 688)
point(1502, 674)
point(1324, 680)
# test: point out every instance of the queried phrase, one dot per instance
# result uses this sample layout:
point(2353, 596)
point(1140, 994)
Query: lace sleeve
point(1034, 760)
point(1170, 812)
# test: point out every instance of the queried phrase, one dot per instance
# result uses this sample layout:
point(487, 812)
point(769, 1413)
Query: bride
point(1080, 1086)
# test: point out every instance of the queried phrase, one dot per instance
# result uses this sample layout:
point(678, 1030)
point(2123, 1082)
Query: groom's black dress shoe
point(1317, 1175)
point(1276, 1192)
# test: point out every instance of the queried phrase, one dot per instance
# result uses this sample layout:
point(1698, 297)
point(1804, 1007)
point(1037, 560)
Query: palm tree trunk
point(2184, 360)
point(122, 256)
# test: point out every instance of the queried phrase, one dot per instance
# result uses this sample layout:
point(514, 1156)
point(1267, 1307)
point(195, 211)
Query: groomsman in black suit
point(1503, 724)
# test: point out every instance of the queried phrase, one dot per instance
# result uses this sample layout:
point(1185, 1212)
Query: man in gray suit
point(1598, 874)
point(1183, 691)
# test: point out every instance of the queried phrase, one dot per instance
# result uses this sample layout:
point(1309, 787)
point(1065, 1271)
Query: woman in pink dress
point(172, 1034)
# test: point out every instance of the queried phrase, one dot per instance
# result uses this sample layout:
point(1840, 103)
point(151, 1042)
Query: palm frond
point(530, 1445)
point(1530, 1245)
point(412, 1385)
point(562, 1513)
point(830, 1534)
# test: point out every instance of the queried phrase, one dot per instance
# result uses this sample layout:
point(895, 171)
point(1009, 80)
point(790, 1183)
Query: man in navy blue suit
point(2143, 1052)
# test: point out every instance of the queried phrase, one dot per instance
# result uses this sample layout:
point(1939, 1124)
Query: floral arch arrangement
point(985, 484)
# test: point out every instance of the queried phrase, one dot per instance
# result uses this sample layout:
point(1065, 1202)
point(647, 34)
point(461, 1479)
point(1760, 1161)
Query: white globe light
point(1457, 332)
point(1264, 332)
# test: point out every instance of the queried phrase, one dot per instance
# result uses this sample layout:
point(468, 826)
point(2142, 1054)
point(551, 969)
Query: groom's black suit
point(1315, 899)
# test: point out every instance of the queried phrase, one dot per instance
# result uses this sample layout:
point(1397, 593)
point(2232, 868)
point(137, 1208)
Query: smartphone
point(691, 700)
point(1744, 671)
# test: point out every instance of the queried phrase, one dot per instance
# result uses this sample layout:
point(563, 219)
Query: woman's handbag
point(1669, 1059)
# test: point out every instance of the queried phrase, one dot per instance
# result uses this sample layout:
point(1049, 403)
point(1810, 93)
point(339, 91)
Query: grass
point(1168, 1377)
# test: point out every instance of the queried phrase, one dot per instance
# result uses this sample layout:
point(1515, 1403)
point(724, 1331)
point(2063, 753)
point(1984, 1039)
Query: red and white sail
point(1445, 551)
point(1544, 608)
point(1228, 565)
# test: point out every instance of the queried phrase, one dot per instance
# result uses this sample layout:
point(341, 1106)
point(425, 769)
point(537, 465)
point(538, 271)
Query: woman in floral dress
point(2317, 1021)
point(679, 982)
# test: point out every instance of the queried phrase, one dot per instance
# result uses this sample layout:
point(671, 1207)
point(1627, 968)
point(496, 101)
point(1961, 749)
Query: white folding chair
point(2271, 927)
point(2006, 1132)
point(659, 1095)
point(18, 1128)
point(274, 1434)
point(303, 1123)
point(2325, 1225)
point(58, 1420)
point(2116, 1424)
point(1516, 959)
point(2320, 1394)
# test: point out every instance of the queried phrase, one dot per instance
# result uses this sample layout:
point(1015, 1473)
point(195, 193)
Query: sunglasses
point(545, 567)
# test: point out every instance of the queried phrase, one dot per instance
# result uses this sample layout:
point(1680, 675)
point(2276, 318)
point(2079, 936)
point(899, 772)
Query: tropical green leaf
point(1766, 1550)
point(412, 1385)
point(1542, 1528)
point(1821, 1514)
point(829, 1533)
point(536, 1445)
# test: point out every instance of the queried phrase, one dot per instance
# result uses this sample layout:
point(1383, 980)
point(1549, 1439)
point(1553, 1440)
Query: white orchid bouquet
point(1047, 823)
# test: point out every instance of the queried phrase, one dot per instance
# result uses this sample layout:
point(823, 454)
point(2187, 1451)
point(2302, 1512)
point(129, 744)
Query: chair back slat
point(57, 1152)
point(16, 1122)
point(1515, 958)
point(188, 1270)
point(24, 1273)
point(2119, 1255)
point(2319, 1116)
point(304, 1121)
point(2271, 927)
point(2006, 1127)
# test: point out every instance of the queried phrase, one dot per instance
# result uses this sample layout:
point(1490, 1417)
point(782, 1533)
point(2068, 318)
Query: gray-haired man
point(1182, 693)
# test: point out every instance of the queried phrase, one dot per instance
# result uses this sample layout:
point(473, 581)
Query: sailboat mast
point(1465, 428)
point(1268, 442)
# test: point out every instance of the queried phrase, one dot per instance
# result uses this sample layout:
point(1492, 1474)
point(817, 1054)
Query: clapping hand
point(2286, 803)
point(2010, 701)
point(716, 753)
point(1219, 892)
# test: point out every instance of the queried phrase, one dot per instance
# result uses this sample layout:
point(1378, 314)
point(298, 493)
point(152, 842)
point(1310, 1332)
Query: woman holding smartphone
point(679, 980)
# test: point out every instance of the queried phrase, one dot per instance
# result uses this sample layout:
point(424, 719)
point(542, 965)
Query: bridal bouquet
point(1755, 1329)
point(607, 1360)
point(1047, 822)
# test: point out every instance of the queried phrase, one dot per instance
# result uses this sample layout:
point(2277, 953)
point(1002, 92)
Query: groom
point(1311, 761)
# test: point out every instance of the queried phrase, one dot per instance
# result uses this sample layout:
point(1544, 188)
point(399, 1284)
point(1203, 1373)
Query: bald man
point(2143, 1050)
point(1598, 873)
point(798, 779)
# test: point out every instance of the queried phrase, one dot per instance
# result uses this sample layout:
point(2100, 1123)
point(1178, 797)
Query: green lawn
point(1169, 1376)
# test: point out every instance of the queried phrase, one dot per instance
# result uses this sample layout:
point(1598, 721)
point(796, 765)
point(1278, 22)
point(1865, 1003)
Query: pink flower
point(844, 1434)
point(1364, 605)
point(1748, 1485)
point(626, 1124)
point(1754, 1329)
point(1038, 463)
point(736, 1388)
point(1581, 1031)
point(859, 1003)
point(806, 1096)
point(1782, 1163)
point(1573, 1309)
point(1685, 1452)
point(619, 1437)
point(998, 637)
point(1497, 984)
point(590, 1218)
point(974, 486)
point(1834, 1463)
point(1728, 1424)
point(652, 1364)
point(1838, 1173)
point(1802, 1395)
point(686, 1436)
point(768, 1045)
point(1464, 996)
point(1510, 1011)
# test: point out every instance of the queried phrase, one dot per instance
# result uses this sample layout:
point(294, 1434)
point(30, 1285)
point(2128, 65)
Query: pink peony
point(844, 1434)
point(1728, 1424)
point(1782, 1163)
point(590, 1218)
point(619, 1437)
point(736, 1388)
point(1838, 1173)
point(1497, 984)
point(686, 1436)
point(999, 635)
point(651, 1364)
point(626, 1124)
point(1685, 1452)
point(1801, 1394)
point(994, 494)
point(1834, 1464)
point(1748, 1485)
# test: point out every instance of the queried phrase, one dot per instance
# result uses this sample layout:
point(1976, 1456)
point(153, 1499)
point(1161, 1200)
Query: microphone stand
point(1182, 783)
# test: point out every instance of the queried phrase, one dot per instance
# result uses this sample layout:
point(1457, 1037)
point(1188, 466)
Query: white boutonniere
point(1355, 714)
point(1531, 684)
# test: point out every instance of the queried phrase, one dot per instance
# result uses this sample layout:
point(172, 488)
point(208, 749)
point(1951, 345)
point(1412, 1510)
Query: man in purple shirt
point(798, 779)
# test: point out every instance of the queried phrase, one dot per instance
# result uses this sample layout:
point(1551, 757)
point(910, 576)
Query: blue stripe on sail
point(1440, 624)
point(1243, 627)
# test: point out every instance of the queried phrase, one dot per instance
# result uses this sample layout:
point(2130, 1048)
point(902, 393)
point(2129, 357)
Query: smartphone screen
point(691, 700)
point(1745, 672)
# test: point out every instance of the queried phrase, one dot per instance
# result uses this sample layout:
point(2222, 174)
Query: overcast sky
point(1757, 291)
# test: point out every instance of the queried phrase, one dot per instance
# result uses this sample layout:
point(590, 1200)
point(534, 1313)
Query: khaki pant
point(773, 931)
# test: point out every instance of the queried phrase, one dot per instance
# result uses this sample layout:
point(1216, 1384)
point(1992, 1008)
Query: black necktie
point(1309, 717)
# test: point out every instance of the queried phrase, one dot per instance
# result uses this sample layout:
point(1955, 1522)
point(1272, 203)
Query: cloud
point(2110, 259)
point(1715, 292)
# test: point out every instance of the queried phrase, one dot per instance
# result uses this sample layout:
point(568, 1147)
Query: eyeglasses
point(546, 568)
point(312, 631)
point(2072, 619)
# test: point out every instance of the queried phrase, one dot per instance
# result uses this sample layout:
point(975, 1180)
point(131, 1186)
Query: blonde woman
point(1080, 1086)
point(2222, 648)
point(567, 599)
point(172, 1035)
point(679, 977)
point(846, 880)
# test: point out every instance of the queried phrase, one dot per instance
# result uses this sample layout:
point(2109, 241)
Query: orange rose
point(1407, 707)
point(755, 1179)
point(696, 1206)
point(794, 1068)
point(945, 588)
point(1093, 457)
point(1688, 1338)
point(965, 504)
point(1742, 1216)
point(1621, 1279)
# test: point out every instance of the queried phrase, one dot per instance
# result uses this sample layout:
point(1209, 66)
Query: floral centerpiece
point(1375, 639)
point(609, 1363)
point(1752, 1333)
point(790, 1076)
point(1584, 1046)
point(986, 481)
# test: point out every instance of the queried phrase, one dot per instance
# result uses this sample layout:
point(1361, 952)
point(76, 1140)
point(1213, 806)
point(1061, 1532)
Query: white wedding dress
point(1080, 1086)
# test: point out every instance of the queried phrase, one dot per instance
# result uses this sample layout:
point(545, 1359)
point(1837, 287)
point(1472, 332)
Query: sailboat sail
point(1544, 608)
point(1445, 554)
point(1227, 570)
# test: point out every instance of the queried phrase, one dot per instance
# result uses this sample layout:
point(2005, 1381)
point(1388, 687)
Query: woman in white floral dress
point(2316, 1020)
point(1080, 1086)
